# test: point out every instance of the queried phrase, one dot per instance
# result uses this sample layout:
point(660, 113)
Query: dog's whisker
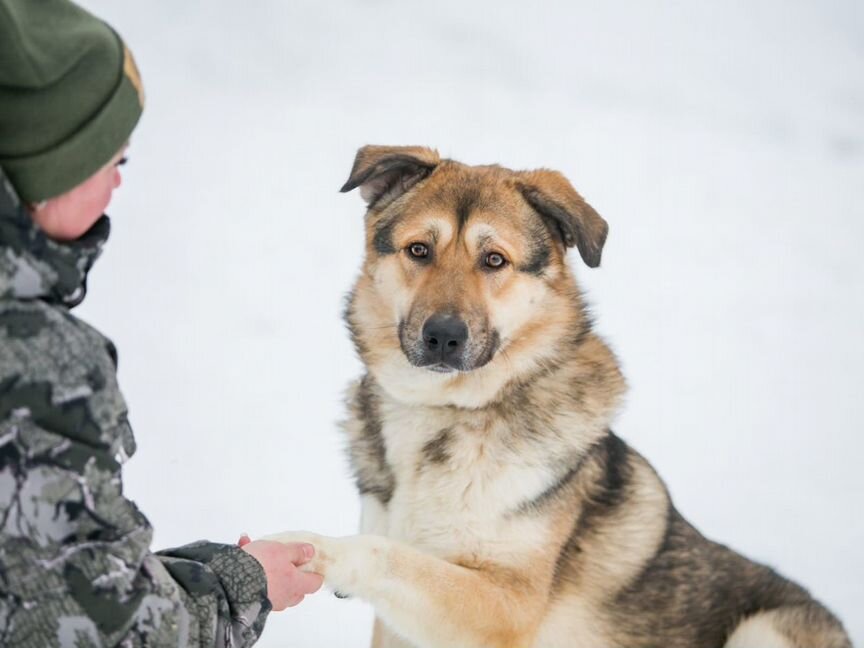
point(506, 357)
point(383, 327)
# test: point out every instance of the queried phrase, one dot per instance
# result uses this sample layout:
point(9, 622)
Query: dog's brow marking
point(482, 237)
point(433, 230)
point(481, 234)
point(439, 228)
point(483, 240)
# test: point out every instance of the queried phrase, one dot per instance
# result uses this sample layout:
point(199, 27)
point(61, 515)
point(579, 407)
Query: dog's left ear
point(566, 212)
point(384, 173)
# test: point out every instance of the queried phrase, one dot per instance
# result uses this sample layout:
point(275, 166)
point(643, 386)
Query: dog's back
point(688, 592)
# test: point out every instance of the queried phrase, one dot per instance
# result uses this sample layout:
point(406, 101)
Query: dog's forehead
point(459, 190)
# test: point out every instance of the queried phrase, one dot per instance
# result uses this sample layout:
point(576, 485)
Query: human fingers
point(244, 540)
point(298, 553)
point(309, 583)
point(297, 599)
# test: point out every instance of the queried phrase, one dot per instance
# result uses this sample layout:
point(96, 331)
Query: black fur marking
point(585, 328)
point(373, 474)
point(692, 592)
point(603, 496)
point(540, 252)
point(560, 484)
point(537, 262)
point(383, 239)
point(436, 450)
point(722, 588)
point(466, 202)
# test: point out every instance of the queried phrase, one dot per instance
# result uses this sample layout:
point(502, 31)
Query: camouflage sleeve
point(203, 569)
point(75, 562)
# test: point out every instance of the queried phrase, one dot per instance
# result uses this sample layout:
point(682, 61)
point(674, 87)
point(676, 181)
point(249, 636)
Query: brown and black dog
point(499, 510)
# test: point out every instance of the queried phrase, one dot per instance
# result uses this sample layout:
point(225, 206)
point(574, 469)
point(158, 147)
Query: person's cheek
point(114, 181)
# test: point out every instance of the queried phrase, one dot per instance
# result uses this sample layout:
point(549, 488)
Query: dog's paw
point(345, 563)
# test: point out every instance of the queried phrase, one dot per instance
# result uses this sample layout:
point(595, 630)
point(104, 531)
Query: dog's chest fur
point(460, 478)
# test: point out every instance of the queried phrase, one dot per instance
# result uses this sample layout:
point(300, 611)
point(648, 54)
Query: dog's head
point(465, 277)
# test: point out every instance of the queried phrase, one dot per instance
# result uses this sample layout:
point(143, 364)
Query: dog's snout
point(444, 336)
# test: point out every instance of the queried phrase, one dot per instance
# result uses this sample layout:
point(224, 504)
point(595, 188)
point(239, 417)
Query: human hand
point(346, 564)
point(286, 584)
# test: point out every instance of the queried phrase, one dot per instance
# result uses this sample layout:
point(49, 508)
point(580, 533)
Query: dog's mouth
point(441, 368)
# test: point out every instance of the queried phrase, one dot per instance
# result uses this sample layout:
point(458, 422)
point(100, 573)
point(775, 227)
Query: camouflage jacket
point(75, 562)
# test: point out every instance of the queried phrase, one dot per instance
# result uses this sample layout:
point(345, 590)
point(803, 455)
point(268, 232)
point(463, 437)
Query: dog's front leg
point(384, 637)
point(374, 520)
point(430, 602)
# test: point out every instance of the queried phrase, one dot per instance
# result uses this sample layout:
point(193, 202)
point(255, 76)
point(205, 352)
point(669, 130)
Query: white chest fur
point(460, 478)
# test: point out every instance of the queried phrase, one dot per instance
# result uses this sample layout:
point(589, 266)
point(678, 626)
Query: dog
point(498, 508)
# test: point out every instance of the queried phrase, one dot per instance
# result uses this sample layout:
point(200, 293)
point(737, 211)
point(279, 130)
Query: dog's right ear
point(384, 173)
point(566, 212)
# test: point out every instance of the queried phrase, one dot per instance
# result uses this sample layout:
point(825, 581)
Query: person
point(76, 567)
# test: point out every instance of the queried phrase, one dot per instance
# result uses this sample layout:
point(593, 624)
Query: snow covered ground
point(723, 142)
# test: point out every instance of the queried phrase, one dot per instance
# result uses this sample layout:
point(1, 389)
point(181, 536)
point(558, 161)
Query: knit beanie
point(70, 96)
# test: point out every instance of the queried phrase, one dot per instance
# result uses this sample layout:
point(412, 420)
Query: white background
point(723, 142)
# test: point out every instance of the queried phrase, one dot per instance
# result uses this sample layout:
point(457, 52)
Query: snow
point(723, 142)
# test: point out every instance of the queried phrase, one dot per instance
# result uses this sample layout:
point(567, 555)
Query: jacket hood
point(33, 266)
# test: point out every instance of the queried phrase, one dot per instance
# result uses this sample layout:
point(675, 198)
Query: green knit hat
point(70, 95)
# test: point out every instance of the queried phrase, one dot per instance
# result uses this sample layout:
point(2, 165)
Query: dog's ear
point(566, 212)
point(384, 173)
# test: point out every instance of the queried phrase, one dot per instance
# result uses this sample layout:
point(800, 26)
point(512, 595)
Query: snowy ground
point(723, 142)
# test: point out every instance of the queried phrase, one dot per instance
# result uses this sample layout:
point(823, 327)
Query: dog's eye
point(495, 260)
point(418, 250)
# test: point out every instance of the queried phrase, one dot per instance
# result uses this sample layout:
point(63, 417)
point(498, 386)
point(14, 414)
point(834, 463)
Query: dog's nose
point(444, 335)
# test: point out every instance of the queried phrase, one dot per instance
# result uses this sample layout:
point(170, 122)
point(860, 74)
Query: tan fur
point(498, 509)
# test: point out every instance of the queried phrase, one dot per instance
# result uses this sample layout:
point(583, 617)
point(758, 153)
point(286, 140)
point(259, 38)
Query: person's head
point(71, 97)
point(67, 216)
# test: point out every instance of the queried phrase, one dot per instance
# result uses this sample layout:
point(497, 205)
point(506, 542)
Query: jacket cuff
point(240, 576)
